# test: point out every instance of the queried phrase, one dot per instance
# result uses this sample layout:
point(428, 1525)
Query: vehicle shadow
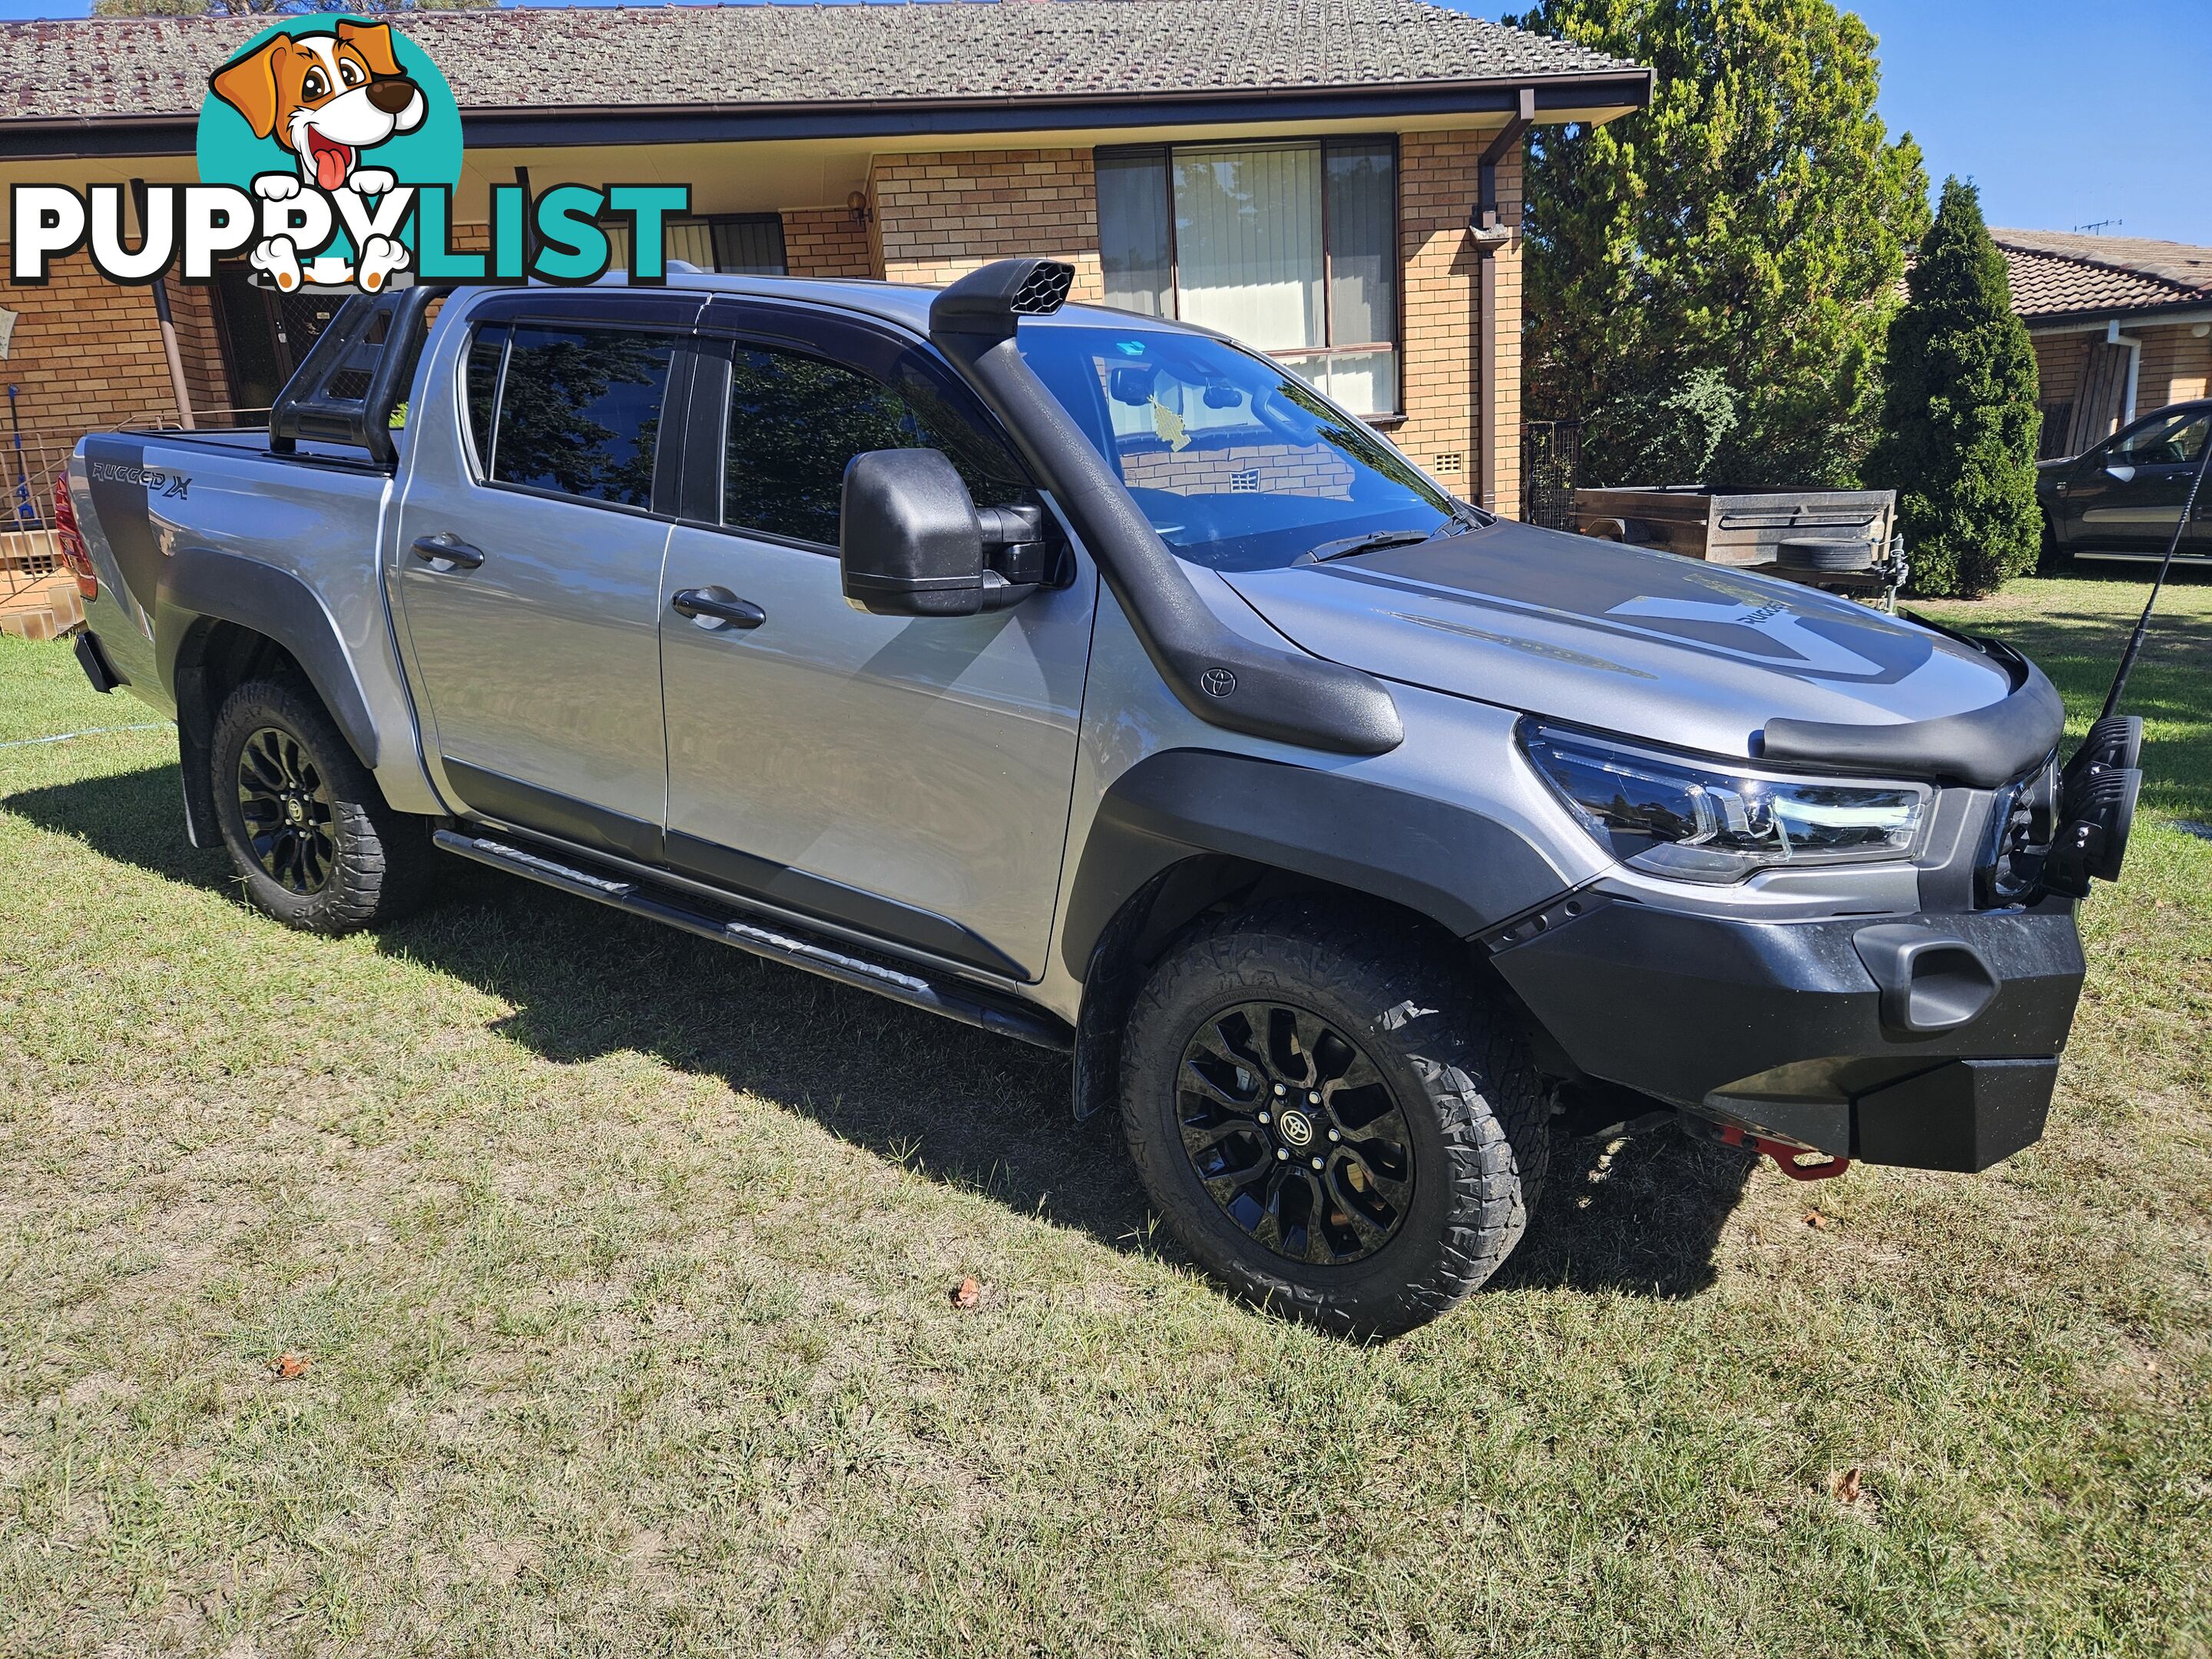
point(1641, 1217)
point(951, 1102)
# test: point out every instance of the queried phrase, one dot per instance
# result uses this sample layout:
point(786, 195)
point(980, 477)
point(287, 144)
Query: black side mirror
point(910, 542)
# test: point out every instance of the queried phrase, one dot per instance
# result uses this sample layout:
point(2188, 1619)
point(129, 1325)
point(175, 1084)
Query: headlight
point(1698, 821)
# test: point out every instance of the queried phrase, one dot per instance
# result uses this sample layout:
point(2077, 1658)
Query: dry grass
point(620, 1265)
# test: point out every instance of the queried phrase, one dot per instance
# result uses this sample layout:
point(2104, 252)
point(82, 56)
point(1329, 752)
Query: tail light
point(75, 554)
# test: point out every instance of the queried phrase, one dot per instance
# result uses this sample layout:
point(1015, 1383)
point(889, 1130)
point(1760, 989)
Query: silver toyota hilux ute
point(1091, 679)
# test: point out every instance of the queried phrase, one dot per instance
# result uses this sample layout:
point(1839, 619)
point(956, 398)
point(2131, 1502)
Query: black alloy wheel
point(1295, 1133)
point(289, 814)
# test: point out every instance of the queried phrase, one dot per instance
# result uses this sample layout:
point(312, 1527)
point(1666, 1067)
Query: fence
point(1551, 450)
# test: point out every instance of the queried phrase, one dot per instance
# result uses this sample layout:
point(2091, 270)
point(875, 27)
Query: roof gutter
point(2192, 309)
point(75, 138)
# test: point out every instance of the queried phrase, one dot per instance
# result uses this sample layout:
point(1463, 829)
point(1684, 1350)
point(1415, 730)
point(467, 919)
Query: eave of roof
point(677, 124)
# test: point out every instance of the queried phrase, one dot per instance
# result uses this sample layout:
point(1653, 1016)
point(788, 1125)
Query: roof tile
point(2062, 273)
point(783, 54)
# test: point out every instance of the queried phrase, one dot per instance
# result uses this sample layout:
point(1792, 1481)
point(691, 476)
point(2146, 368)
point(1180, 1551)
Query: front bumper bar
point(1785, 1028)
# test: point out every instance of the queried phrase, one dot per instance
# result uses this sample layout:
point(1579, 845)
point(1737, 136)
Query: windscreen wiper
point(1375, 540)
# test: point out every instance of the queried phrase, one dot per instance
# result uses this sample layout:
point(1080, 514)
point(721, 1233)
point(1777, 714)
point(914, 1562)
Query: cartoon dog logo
point(327, 97)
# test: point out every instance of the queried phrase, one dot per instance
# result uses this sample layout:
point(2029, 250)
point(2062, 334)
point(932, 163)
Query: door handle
point(446, 548)
point(717, 607)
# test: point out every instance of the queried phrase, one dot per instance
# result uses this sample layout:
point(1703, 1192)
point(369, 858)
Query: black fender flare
point(203, 584)
point(1173, 814)
point(1461, 870)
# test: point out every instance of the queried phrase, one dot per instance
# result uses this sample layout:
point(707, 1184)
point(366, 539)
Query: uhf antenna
point(2142, 623)
point(2098, 788)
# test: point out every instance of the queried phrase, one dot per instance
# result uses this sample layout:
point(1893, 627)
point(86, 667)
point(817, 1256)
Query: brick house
point(2121, 325)
point(1335, 181)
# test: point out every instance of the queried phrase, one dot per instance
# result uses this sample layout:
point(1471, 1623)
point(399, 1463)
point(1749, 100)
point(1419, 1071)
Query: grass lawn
point(618, 1267)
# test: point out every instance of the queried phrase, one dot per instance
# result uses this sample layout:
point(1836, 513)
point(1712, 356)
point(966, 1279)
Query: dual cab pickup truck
point(1093, 680)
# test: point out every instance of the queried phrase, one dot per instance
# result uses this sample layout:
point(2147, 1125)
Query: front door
point(2130, 499)
point(906, 778)
point(530, 575)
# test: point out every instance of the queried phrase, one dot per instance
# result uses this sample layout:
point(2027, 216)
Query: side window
point(480, 387)
point(796, 421)
point(2177, 439)
point(578, 411)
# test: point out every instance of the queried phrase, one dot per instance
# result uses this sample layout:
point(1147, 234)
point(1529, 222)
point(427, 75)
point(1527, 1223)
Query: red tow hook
point(1785, 1156)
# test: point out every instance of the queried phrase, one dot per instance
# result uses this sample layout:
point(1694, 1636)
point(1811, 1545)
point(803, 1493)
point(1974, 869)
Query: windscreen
point(1239, 465)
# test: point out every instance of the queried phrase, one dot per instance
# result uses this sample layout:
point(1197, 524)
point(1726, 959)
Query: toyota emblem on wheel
point(1216, 682)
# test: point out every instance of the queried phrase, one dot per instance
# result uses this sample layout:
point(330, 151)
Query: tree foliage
point(1959, 412)
point(1712, 276)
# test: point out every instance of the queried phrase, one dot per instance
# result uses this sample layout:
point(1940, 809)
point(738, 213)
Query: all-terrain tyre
point(1331, 1116)
point(315, 845)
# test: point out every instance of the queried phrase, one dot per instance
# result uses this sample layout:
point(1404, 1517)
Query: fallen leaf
point(1844, 1486)
point(289, 1365)
point(1814, 1219)
point(969, 1294)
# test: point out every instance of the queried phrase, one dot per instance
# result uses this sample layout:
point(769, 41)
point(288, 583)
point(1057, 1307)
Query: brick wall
point(826, 242)
point(2177, 366)
point(941, 214)
point(87, 353)
point(2057, 366)
point(1438, 185)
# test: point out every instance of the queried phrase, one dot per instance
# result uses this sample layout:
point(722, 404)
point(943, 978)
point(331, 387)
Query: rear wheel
point(314, 842)
point(1330, 1117)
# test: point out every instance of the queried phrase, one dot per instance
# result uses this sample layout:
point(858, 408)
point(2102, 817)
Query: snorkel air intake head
point(989, 301)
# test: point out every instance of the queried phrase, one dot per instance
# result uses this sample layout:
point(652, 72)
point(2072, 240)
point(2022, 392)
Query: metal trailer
point(1842, 540)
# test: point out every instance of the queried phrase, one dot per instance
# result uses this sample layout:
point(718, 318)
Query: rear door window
point(579, 410)
point(480, 388)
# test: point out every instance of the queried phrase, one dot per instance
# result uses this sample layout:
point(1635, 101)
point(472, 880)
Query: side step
point(777, 942)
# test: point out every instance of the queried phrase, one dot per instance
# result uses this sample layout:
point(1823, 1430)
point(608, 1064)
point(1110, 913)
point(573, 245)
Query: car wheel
point(1330, 1116)
point(314, 843)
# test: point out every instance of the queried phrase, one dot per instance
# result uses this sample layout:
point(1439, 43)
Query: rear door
point(530, 575)
point(908, 778)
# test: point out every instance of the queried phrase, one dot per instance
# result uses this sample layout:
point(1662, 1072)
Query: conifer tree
point(1959, 412)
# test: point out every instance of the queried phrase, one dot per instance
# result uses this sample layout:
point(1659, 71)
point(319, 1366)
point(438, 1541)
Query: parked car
point(2121, 499)
point(1095, 681)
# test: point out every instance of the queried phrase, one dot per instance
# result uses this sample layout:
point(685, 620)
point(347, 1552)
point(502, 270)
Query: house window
point(1292, 248)
point(733, 244)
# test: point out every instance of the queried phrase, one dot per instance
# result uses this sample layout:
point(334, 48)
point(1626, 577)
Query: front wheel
point(314, 843)
point(2052, 559)
point(1331, 1117)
